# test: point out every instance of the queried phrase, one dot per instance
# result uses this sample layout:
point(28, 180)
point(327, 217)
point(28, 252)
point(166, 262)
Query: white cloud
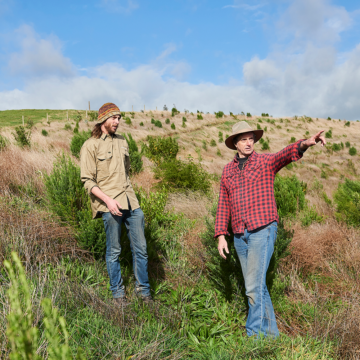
point(119, 6)
point(38, 57)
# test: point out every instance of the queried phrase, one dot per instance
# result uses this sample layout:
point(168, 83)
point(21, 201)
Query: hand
point(223, 246)
point(313, 141)
point(114, 207)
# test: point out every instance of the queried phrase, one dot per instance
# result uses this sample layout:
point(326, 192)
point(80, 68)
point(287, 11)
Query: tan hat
point(242, 127)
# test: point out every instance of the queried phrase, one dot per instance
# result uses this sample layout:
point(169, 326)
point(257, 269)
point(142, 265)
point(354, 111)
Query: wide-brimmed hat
point(106, 111)
point(242, 127)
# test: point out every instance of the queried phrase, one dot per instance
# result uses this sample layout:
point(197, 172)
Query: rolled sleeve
point(88, 168)
point(223, 211)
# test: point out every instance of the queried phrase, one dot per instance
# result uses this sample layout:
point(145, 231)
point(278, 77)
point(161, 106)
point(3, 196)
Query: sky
point(282, 57)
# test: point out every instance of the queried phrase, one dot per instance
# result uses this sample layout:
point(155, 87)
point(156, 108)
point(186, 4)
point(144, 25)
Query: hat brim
point(109, 114)
point(229, 141)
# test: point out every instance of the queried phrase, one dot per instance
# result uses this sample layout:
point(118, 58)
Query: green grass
point(14, 117)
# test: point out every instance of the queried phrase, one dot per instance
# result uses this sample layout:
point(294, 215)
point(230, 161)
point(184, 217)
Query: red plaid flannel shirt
point(248, 195)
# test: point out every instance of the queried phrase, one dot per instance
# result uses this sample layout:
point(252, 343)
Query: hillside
point(200, 310)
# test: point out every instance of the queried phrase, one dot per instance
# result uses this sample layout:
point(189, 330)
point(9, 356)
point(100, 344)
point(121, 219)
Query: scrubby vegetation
point(200, 307)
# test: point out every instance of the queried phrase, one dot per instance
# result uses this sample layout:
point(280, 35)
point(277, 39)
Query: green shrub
point(23, 336)
point(22, 137)
point(173, 126)
point(77, 142)
point(219, 114)
point(123, 114)
point(347, 123)
point(174, 111)
point(221, 137)
point(93, 115)
point(265, 145)
point(352, 151)
point(347, 199)
point(323, 174)
point(292, 140)
point(180, 175)
point(4, 142)
point(127, 120)
point(264, 114)
point(134, 154)
point(183, 125)
point(158, 123)
point(204, 145)
point(289, 195)
point(265, 128)
point(347, 144)
point(152, 120)
point(184, 119)
point(212, 142)
point(248, 114)
point(329, 118)
point(336, 147)
point(258, 126)
point(310, 216)
point(328, 134)
point(167, 121)
point(218, 153)
point(67, 126)
point(141, 124)
point(199, 117)
point(44, 132)
point(161, 149)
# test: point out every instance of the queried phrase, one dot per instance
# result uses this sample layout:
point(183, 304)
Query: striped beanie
point(106, 111)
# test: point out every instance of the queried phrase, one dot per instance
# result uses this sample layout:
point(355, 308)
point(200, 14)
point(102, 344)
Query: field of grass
point(199, 310)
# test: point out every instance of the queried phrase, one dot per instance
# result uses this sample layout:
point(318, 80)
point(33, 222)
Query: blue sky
point(282, 57)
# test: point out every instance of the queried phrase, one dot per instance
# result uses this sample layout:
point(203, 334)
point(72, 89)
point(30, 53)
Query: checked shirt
point(248, 195)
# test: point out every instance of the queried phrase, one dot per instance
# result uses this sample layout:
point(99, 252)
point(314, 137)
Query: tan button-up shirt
point(105, 163)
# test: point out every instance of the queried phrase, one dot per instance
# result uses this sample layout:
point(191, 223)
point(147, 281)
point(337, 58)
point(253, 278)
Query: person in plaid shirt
point(247, 196)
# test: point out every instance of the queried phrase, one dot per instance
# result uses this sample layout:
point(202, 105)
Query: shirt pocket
point(102, 166)
point(253, 172)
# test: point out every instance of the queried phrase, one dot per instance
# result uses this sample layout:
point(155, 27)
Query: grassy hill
point(200, 311)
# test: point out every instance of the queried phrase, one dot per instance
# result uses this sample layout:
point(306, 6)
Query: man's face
point(111, 124)
point(245, 144)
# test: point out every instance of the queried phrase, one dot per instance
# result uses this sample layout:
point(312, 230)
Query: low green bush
point(347, 123)
point(347, 199)
point(136, 163)
point(184, 119)
point(310, 216)
point(347, 144)
point(212, 142)
point(67, 126)
point(127, 120)
point(264, 114)
point(218, 153)
point(141, 124)
point(221, 137)
point(161, 149)
point(204, 145)
point(265, 145)
point(329, 118)
point(352, 151)
point(265, 128)
point(173, 126)
point(78, 141)
point(219, 114)
point(4, 142)
point(174, 111)
point(292, 140)
point(181, 175)
point(158, 123)
point(93, 115)
point(22, 136)
point(328, 134)
point(167, 121)
point(248, 114)
point(258, 126)
point(44, 132)
point(336, 147)
point(199, 117)
point(152, 120)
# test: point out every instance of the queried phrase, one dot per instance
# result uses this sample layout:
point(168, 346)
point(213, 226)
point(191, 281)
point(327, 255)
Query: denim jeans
point(255, 249)
point(134, 222)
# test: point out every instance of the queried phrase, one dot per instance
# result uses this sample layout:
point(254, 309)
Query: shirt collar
point(236, 157)
point(104, 136)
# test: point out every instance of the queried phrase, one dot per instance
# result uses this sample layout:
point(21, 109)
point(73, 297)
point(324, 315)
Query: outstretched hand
point(313, 140)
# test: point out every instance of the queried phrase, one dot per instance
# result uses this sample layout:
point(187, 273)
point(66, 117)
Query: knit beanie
point(106, 111)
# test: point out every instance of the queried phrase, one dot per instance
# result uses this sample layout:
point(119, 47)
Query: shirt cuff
point(300, 151)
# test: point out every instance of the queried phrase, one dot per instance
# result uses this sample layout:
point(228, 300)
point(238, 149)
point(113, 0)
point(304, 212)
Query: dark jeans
point(134, 222)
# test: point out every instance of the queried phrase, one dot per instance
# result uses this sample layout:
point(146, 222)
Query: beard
point(110, 129)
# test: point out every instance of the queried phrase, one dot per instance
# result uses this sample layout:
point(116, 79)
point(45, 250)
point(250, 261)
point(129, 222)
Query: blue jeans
point(255, 249)
point(134, 222)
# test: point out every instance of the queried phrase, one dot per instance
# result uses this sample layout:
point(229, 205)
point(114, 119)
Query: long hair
point(96, 131)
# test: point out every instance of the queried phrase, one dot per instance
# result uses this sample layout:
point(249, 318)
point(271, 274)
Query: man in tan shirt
point(105, 168)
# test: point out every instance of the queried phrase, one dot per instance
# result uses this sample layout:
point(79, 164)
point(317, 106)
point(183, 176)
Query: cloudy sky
point(284, 57)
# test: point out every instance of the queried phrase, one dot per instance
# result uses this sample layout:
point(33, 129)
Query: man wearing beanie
point(247, 195)
point(105, 168)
